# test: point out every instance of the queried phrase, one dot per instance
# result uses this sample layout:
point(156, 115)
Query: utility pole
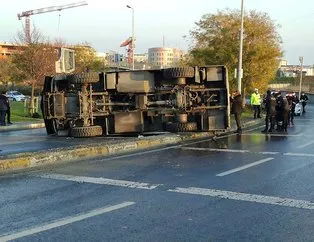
point(240, 71)
point(301, 62)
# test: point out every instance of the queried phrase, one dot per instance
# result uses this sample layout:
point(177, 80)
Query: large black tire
point(84, 78)
point(177, 72)
point(60, 77)
point(51, 126)
point(181, 127)
point(89, 131)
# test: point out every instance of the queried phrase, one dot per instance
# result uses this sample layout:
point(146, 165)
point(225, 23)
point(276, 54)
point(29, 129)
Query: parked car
point(15, 96)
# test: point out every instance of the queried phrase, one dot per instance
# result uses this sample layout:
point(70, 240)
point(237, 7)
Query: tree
point(35, 59)
point(216, 42)
point(86, 59)
point(6, 69)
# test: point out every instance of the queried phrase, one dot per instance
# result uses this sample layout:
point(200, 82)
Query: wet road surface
point(31, 140)
point(245, 187)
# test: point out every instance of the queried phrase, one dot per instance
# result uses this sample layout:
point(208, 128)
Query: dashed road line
point(299, 154)
point(241, 168)
point(306, 144)
point(278, 135)
point(100, 180)
point(214, 149)
point(64, 221)
point(248, 151)
point(230, 150)
point(286, 202)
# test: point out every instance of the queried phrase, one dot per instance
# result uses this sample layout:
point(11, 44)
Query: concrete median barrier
point(53, 156)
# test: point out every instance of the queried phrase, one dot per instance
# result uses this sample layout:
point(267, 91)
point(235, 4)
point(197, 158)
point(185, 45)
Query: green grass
point(20, 114)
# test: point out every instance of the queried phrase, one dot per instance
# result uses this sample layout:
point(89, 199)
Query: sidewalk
point(20, 161)
point(22, 125)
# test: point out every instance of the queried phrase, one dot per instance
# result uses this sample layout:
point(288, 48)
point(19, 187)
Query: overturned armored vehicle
point(174, 99)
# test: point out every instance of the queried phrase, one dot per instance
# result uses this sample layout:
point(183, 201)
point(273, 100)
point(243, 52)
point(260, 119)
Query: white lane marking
point(214, 149)
point(231, 150)
point(244, 167)
point(299, 154)
point(100, 180)
point(64, 221)
point(273, 134)
point(307, 144)
point(267, 152)
point(287, 202)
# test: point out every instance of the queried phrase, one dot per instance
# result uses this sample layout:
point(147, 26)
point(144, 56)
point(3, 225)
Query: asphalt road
point(245, 187)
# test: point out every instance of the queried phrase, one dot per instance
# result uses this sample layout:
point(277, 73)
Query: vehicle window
point(16, 93)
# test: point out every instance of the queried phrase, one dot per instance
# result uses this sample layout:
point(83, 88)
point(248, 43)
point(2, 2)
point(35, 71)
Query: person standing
point(303, 100)
point(4, 102)
point(237, 109)
point(282, 112)
point(267, 102)
point(9, 113)
point(272, 112)
point(293, 100)
point(286, 112)
point(256, 103)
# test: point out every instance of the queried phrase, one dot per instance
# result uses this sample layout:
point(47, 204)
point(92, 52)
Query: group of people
point(280, 109)
point(5, 109)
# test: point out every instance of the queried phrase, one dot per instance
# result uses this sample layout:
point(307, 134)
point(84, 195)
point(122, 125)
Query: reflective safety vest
point(256, 99)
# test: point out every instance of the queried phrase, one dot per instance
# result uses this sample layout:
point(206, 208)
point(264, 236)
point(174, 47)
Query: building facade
point(162, 57)
point(7, 49)
point(295, 70)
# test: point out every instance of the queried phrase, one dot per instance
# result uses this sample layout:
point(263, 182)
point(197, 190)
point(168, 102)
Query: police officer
point(270, 106)
point(266, 101)
point(279, 111)
point(256, 103)
point(303, 100)
point(286, 111)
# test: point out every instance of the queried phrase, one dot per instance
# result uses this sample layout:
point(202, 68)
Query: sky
point(106, 24)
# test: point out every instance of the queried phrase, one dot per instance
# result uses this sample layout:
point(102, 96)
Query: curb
point(17, 127)
point(28, 160)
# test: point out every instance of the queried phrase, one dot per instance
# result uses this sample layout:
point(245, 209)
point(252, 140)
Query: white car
point(15, 96)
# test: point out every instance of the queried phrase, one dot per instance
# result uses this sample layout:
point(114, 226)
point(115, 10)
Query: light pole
point(133, 37)
point(240, 71)
point(301, 62)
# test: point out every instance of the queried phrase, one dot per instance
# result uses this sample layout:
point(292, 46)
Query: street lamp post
point(301, 62)
point(240, 71)
point(133, 37)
